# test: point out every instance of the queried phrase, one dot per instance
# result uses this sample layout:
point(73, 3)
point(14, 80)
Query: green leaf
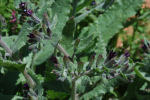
point(56, 95)
point(67, 37)
point(17, 98)
point(22, 37)
point(6, 97)
point(61, 8)
point(11, 64)
point(86, 13)
point(107, 25)
point(45, 5)
point(8, 83)
point(9, 40)
point(45, 52)
point(38, 79)
point(141, 74)
point(103, 87)
point(16, 3)
point(112, 21)
point(82, 4)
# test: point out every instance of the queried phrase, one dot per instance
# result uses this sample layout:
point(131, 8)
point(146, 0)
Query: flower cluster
point(24, 10)
point(118, 65)
point(34, 37)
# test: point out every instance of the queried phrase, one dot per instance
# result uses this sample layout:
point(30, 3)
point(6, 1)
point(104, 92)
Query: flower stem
point(29, 79)
point(61, 49)
point(73, 94)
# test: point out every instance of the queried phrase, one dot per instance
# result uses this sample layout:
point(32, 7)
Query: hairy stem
point(61, 49)
point(35, 18)
point(73, 93)
point(29, 79)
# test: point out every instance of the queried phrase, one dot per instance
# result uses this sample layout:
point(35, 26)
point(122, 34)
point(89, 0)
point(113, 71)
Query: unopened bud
point(76, 43)
point(99, 58)
point(91, 61)
point(126, 54)
point(80, 66)
point(66, 61)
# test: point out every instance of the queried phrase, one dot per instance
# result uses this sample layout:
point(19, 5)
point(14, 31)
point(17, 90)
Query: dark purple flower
point(111, 55)
point(48, 30)
point(26, 86)
point(126, 54)
point(22, 5)
point(31, 35)
point(32, 38)
point(31, 41)
point(144, 47)
point(29, 12)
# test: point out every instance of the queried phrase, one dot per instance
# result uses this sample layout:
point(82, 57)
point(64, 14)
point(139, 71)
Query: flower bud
point(26, 86)
point(76, 43)
point(31, 35)
point(80, 66)
point(126, 54)
point(22, 5)
point(99, 58)
point(29, 12)
point(111, 55)
point(66, 61)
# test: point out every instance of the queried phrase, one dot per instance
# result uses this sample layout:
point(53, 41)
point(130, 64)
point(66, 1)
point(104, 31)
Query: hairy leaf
point(108, 24)
point(141, 74)
point(45, 52)
point(22, 37)
point(11, 64)
point(9, 40)
point(62, 10)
